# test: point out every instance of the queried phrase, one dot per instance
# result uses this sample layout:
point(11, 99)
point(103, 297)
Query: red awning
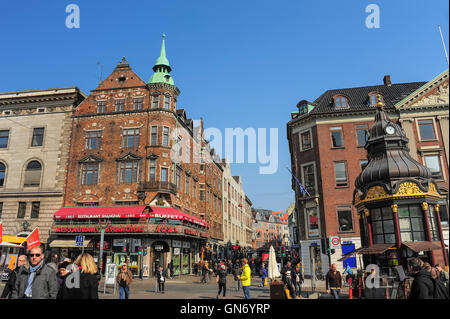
point(93, 212)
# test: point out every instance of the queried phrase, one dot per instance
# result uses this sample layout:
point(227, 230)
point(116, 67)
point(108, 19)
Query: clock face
point(390, 130)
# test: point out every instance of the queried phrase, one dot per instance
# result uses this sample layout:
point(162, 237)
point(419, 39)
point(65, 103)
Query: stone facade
point(38, 126)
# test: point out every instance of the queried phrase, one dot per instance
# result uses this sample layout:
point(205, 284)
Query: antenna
point(443, 43)
point(100, 71)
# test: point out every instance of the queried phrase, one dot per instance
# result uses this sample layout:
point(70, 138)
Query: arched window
point(340, 102)
point(2, 174)
point(33, 174)
point(373, 98)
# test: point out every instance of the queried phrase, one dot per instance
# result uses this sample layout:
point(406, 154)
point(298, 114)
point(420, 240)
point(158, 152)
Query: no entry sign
point(335, 242)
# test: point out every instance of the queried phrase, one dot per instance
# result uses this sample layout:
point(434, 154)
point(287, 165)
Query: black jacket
point(7, 291)
point(160, 274)
point(422, 286)
point(333, 280)
point(222, 273)
point(88, 287)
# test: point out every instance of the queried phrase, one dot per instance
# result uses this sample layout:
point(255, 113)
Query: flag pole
point(28, 236)
point(302, 185)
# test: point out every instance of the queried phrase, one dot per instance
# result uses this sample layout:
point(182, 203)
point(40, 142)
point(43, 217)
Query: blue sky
point(237, 63)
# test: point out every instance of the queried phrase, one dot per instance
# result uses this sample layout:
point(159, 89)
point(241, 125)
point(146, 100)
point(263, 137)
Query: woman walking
point(160, 275)
point(124, 279)
point(87, 270)
point(222, 280)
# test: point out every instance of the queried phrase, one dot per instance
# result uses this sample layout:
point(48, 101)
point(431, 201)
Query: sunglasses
point(34, 255)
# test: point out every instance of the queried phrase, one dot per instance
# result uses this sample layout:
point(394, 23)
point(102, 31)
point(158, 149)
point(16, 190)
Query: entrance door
point(158, 260)
point(316, 255)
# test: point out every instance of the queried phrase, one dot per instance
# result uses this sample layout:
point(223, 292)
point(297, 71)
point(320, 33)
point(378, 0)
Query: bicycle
point(319, 275)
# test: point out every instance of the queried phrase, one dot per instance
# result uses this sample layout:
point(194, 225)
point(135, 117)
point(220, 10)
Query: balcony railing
point(158, 186)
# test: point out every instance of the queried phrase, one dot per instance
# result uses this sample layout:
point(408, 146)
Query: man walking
point(245, 278)
point(7, 291)
point(37, 281)
point(423, 285)
point(333, 281)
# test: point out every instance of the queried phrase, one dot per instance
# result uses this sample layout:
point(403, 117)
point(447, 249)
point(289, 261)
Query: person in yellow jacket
point(245, 278)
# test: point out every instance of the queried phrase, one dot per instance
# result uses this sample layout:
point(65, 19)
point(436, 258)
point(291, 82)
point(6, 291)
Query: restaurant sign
point(98, 229)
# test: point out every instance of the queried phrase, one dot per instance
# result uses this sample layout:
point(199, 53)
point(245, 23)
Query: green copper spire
point(162, 67)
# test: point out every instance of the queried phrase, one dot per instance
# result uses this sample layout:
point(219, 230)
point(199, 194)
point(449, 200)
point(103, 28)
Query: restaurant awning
point(349, 254)
point(100, 212)
point(375, 249)
point(67, 243)
point(419, 246)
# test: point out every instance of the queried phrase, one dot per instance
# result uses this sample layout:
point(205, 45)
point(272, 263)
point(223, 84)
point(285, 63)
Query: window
point(432, 220)
point(155, 100)
point(313, 222)
point(165, 140)
point(309, 179)
point(89, 173)
point(361, 134)
point(33, 174)
point(202, 192)
point(166, 102)
point(92, 140)
point(35, 209)
point(383, 225)
point(4, 136)
point(303, 108)
point(120, 105)
point(340, 171)
point(128, 171)
point(363, 164)
point(130, 137)
point(1, 210)
point(194, 190)
point(202, 168)
point(336, 136)
point(137, 103)
point(154, 137)
point(126, 203)
point(443, 214)
point(306, 140)
point(373, 98)
point(38, 136)
point(187, 189)
point(22, 209)
point(340, 102)
point(433, 162)
point(2, 174)
point(101, 107)
point(178, 178)
point(164, 172)
point(345, 219)
point(410, 219)
point(426, 129)
point(153, 170)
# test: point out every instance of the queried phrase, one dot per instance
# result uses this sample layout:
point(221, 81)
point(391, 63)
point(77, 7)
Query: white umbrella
point(273, 272)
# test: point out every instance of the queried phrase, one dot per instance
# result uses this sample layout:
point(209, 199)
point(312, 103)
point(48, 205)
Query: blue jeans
point(335, 293)
point(246, 291)
point(123, 290)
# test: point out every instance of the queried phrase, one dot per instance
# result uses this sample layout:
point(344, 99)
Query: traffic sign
point(79, 241)
point(335, 242)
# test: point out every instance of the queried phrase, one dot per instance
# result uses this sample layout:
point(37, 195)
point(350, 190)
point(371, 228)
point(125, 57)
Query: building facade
point(35, 129)
point(268, 229)
point(339, 119)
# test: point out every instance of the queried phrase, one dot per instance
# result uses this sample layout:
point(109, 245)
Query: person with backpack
point(263, 275)
point(424, 285)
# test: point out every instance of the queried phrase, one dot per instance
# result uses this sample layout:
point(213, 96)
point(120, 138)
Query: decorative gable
point(129, 157)
point(91, 159)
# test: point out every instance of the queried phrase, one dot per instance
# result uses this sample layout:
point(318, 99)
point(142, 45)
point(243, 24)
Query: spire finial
point(379, 102)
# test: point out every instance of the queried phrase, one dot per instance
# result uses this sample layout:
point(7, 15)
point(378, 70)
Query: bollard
point(359, 288)
point(350, 288)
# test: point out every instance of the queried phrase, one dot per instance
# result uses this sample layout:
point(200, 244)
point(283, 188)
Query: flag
point(33, 239)
point(300, 186)
point(1, 233)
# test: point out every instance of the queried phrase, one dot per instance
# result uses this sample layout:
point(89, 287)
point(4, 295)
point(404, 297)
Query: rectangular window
point(433, 162)
point(154, 137)
point(313, 222)
point(166, 102)
point(426, 129)
point(4, 136)
point(35, 206)
point(127, 203)
point(22, 210)
point(155, 101)
point(432, 220)
point(336, 137)
point(38, 136)
point(345, 219)
point(178, 178)
point(165, 140)
point(130, 137)
point(128, 172)
point(194, 190)
point(363, 164)
point(89, 173)
point(120, 105)
point(202, 191)
point(101, 107)
point(137, 103)
point(1, 210)
point(187, 189)
point(361, 134)
point(383, 225)
point(306, 140)
point(92, 140)
point(164, 172)
point(411, 222)
point(308, 179)
point(153, 170)
point(340, 171)
point(202, 169)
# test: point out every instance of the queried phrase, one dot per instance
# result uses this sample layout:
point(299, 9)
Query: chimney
point(387, 80)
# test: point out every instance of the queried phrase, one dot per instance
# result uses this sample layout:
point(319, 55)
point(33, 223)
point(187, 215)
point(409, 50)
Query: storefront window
point(383, 225)
point(432, 220)
point(411, 223)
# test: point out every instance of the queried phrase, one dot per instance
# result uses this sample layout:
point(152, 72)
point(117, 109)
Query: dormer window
point(303, 108)
point(373, 98)
point(340, 102)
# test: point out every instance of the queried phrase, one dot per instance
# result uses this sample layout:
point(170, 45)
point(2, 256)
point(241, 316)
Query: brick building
point(339, 120)
point(268, 229)
point(138, 163)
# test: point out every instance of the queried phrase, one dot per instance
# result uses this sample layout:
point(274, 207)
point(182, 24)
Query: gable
point(433, 93)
